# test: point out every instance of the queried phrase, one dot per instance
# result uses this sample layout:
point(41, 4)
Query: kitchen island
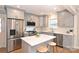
point(30, 43)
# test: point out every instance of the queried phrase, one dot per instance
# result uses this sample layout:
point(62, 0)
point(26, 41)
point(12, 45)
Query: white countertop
point(34, 40)
point(57, 31)
point(62, 31)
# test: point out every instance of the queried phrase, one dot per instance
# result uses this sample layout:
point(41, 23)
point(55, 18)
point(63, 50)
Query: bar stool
point(52, 45)
point(42, 49)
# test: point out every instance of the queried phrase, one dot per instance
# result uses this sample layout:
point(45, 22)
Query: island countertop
point(35, 40)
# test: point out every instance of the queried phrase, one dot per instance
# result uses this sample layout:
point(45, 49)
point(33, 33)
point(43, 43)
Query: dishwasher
point(59, 40)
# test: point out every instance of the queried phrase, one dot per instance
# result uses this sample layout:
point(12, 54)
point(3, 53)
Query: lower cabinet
point(59, 40)
point(68, 41)
point(14, 44)
point(65, 41)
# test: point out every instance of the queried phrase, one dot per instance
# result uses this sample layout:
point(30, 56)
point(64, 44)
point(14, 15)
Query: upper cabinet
point(2, 9)
point(43, 21)
point(65, 19)
point(31, 18)
point(15, 13)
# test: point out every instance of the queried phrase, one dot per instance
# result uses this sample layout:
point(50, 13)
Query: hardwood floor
point(3, 50)
point(59, 50)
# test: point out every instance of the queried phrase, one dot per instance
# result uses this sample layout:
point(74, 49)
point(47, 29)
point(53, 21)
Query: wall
point(77, 41)
point(76, 31)
point(3, 27)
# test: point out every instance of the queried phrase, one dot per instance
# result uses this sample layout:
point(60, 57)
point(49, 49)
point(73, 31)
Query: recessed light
point(55, 8)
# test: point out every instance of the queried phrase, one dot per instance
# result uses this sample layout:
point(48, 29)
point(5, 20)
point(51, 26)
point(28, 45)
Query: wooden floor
point(59, 50)
point(3, 50)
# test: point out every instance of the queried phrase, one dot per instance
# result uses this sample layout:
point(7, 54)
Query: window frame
point(54, 23)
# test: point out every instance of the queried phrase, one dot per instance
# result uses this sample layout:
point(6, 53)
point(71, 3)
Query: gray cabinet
point(68, 41)
point(65, 41)
point(43, 21)
point(2, 9)
point(65, 19)
point(14, 13)
point(59, 39)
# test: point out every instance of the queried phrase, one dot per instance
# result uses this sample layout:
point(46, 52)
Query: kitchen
point(60, 23)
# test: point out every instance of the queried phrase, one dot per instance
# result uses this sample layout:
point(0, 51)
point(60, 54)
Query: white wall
point(3, 27)
point(76, 31)
point(3, 31)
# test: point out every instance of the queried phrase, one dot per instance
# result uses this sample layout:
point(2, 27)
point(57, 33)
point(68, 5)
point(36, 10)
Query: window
point(0, 24)
point(53, 23)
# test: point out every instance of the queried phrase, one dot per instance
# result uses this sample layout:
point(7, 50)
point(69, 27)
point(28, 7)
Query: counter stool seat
point(42, 49)
point(52, 45)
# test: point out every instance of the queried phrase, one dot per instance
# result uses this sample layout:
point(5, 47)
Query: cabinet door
point(11, 13)
point(2, 9)
point(21, 27)
point(20, 14)
point(14, 13)
point(41, 21)
point(60, 19)
point(65, 19)
point(68, 41)
point(69, 20)
point(59, 39)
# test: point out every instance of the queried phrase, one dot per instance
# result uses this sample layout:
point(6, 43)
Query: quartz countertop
point(35, 40)
point(64, 32)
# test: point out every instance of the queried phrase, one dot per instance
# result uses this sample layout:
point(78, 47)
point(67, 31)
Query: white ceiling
point(47, 9)
point(40, 9)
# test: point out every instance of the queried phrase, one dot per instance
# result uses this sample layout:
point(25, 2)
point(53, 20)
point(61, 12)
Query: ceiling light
point(55, 8)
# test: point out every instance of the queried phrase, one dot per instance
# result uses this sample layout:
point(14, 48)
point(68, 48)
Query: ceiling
point(45, 9)
point(40, 9)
